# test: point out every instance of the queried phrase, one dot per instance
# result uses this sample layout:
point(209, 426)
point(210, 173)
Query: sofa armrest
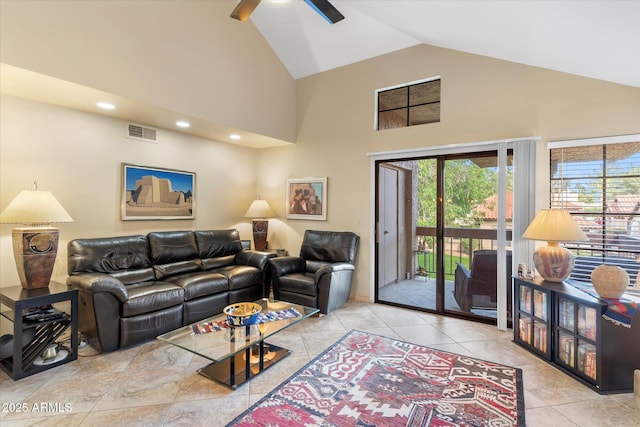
point(254, 259)
point(287, 265)
point(99, 282)
point(334, 285)
point(460, 287)
point(462, 272)
point(338, 266)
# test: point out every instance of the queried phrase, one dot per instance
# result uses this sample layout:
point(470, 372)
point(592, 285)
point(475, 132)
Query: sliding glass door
point(445, 217)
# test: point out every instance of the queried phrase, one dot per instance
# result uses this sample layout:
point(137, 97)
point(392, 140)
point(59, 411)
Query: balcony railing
point(459, 245)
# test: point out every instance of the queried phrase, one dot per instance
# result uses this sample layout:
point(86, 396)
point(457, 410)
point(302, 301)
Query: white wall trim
point(469, 147)
point(594, 141)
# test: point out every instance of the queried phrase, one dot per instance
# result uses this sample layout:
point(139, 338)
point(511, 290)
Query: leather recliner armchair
point(321, 276)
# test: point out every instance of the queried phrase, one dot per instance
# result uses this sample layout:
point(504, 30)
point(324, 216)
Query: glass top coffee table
point(239, 353)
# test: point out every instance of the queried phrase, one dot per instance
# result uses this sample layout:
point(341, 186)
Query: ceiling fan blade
point(326, 10)
point(244, 9)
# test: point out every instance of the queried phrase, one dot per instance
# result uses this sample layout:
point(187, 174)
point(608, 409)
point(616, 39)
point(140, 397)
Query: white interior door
point(388, 248)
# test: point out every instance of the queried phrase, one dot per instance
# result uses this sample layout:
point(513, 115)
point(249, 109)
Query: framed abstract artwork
point(150, 193)
point(307, 198)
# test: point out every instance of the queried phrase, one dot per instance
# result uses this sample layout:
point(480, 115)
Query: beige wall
point(78, 156)
point(482, 99)
point(178, 55)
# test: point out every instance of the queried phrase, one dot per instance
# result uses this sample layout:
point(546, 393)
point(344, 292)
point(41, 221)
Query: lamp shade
point(554, 225)
point(34, 207)
point(554, 262)
point(259, 209)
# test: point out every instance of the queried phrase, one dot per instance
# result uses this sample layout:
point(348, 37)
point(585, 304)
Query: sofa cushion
point(126, 257)
point(241, 276)
point(173, 252)
point(217, 243)
point(218, 262)
point(197, 285)
point(148, 297)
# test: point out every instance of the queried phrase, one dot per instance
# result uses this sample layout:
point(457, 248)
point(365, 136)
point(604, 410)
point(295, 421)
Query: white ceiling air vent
point(142, 133)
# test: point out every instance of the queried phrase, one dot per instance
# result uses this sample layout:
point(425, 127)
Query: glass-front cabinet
point(532, 318)
point(578, 337)
point(565, 327)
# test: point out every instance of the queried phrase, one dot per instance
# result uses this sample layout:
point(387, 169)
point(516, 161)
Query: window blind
point(599, 184)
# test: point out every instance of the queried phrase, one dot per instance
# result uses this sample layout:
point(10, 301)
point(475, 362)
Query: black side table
point(46, 326)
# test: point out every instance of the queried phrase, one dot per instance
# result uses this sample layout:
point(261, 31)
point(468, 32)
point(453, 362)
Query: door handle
point(386, 232)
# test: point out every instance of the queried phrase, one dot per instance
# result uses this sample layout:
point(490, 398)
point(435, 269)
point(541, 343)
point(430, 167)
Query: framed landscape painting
point(150, 193)
point(307, 198)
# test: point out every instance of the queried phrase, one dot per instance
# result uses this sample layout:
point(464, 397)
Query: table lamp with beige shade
point(554, 262)
point(35, 246)
point(260, 211)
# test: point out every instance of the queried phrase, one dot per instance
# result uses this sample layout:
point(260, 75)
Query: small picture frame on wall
point(150, 193)
point(307, 198)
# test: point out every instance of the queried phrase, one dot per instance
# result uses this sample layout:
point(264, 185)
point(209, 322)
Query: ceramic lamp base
point(554, 263)
point(260, 229)
point(35, 250)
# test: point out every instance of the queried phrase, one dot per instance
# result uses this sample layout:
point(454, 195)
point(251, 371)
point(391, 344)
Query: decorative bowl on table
point(242, 313)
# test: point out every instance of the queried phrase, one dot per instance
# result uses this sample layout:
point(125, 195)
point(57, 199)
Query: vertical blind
point(599, 184)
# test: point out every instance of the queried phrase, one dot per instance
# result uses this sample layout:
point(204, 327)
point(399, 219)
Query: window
point(409, 105)
point(599, 184)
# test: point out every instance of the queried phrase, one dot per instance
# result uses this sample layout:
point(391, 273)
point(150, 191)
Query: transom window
point(409, 105)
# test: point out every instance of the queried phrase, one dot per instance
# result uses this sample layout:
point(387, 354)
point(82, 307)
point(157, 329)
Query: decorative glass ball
point(609, 281)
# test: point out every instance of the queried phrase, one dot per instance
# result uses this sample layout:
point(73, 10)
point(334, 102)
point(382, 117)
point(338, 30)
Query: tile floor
point(155, 384)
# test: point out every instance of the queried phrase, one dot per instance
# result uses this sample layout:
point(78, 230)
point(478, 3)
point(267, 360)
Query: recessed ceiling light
point(106, 105)
point(183, 124)
point(234, 136)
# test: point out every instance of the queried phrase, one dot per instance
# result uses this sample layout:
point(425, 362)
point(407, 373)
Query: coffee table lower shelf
point(243, 366)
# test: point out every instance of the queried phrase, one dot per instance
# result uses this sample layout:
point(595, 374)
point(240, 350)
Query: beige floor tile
point(147, 387)
point(193, 386)
point(425, 334)
point(156, 384)
point(142, 416)
point(67, 420)
point(206, 413)
point(546, 417)
point(464, 330)
point(360, 319)
point(548, 386)
point(600, 413)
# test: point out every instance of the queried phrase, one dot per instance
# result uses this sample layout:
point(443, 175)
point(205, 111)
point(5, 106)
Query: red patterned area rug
point(370, 380)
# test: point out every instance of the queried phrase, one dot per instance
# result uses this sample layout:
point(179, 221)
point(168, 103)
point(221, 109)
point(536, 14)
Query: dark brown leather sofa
point(321, 276)
point(133, 288)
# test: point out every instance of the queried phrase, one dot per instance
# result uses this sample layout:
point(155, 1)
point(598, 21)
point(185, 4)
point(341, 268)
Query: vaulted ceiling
point(598, 39)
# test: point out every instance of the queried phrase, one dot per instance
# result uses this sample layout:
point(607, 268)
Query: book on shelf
point(592, 324)
point(590, 362)
point(566, 314)
point(587, 359)
point(540, 304)
point(524, 325)
point(525, 299)
point(587, 322)
point(566, 350)
point(540, 337)
point(582, 351)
